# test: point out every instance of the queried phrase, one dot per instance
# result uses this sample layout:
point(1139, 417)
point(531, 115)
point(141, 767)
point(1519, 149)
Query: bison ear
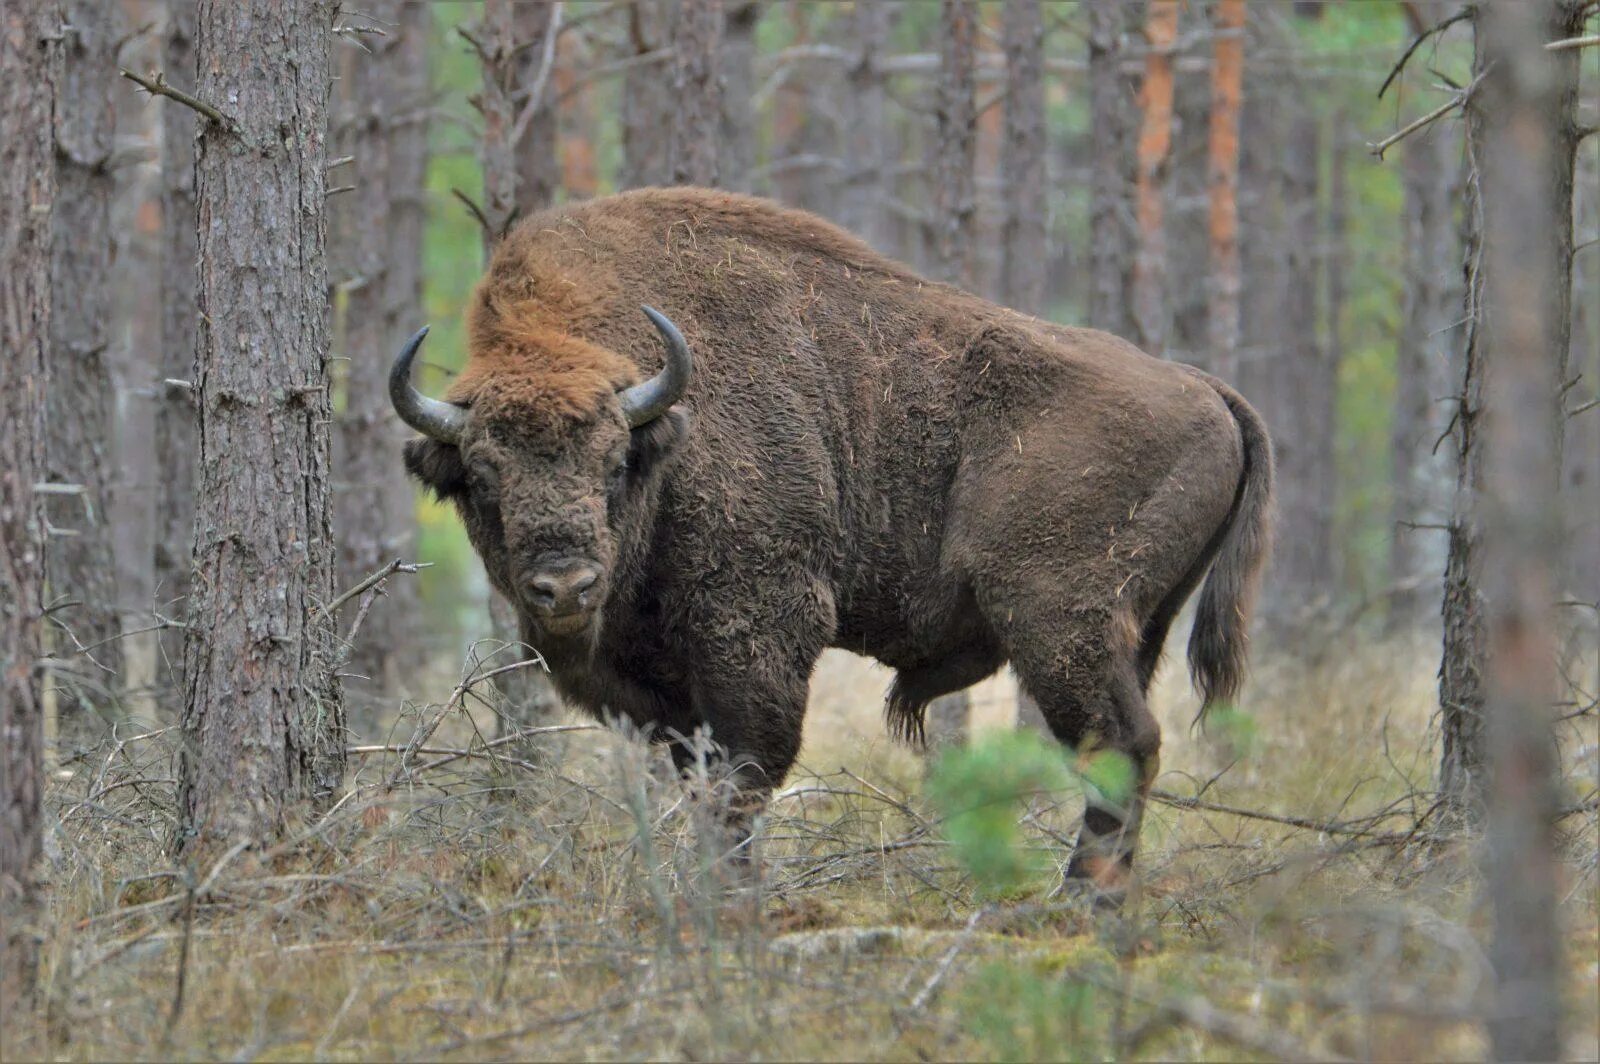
point(656, 442)
point(438, 466)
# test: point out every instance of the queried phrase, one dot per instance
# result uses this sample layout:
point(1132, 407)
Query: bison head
point(547, 491)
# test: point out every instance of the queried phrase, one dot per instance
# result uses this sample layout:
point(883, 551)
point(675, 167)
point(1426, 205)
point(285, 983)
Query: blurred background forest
point(1349, 274)
point(1284, 193)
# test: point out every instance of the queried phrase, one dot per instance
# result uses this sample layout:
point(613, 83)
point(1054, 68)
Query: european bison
point(834, 452)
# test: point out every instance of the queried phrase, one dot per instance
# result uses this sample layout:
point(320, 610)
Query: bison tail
point(906, 712)
point(1220, 641)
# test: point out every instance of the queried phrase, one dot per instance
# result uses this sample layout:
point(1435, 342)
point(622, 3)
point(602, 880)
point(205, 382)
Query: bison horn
point(648, 400)
point(440, 421)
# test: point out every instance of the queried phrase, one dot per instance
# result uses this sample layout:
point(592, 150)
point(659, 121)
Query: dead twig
point(156, 85)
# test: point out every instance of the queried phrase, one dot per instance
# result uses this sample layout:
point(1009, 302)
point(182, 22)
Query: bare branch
point(156, 85)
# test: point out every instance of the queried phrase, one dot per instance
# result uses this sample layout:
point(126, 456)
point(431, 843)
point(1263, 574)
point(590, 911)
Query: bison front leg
point(746, 739)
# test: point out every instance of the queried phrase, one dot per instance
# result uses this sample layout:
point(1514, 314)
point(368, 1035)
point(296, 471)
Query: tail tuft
point(1220, 641)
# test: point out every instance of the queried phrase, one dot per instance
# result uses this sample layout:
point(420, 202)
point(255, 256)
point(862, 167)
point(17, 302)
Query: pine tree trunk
point(137, 369)
point(1110, 229)
point(1227, 90)
point(738, 85)
point(175, 412)
point(580, 176)
point(1427, 373)
point(948, 720)
point(384, 126)
point(519, 152)
point(1522, 125)
point(1150, 310)
point(647, 96)
point(30, 64)
point(1531, 228)
point(538, 148)
point(511, 42)
point(1581, 453)
point(1301, 392)
point(871, 156)
point(802, 136)
point(1022, 162)
point(693, 148)
point(80, 418)
point(263, 725)
point(953, 204)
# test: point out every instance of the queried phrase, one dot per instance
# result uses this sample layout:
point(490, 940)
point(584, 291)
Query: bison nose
point(562, 587)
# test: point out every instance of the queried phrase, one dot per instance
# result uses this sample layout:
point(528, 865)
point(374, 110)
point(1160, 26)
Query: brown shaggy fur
point(863, 459)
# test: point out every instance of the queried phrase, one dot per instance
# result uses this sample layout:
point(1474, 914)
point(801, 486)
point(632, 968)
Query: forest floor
point(551, 898)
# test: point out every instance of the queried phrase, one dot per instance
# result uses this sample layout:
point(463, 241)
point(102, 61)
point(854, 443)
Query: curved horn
point(438, 420)
point(648, 400)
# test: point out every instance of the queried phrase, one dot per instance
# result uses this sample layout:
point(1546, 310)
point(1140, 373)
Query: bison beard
point(862, 459)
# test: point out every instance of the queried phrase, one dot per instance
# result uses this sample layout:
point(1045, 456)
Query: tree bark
point(1522, 123)
point(385, 128)
point(1222, 171)
point(803, 138)
point(1110, 229)
point(536, 29)
point(80, 416)
point(953, 204)
point(1427, 371)
point(263, 724)
point(696, 93)
point(30, 63)
point(738, 86)
point(1300, 398)
point(137, 369)
point(1150, 311)
point(511, 41)
point(1530, 228)
point(647, 96)
point(518, 152)
point(871, 157)
point(175, 412)
point(1022, 162)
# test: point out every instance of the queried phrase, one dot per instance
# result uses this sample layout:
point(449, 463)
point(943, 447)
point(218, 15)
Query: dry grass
point(501, 906)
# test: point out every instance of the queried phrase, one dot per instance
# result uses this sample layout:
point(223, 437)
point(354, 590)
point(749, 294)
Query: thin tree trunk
point(1227, 91)
point(1581, 453)
point(516, 179)
point(580, 177)
point(1110, 235)
point(647, 95)
point(385, 95)
point(30, 65)
point(1507, 106)
point(949, 720)
point(1300, 398)
point(175, 412)
point(80, 410)
point(953, 203)
point(1522, 122)
point(1426, 374)
point(802, 135)
point(1022, 162)
point(738, 85)
point(263, 724)
point(871, 156)
point(1150, 311)
point(696, 93)
point(138, 285)
point(535, 28)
